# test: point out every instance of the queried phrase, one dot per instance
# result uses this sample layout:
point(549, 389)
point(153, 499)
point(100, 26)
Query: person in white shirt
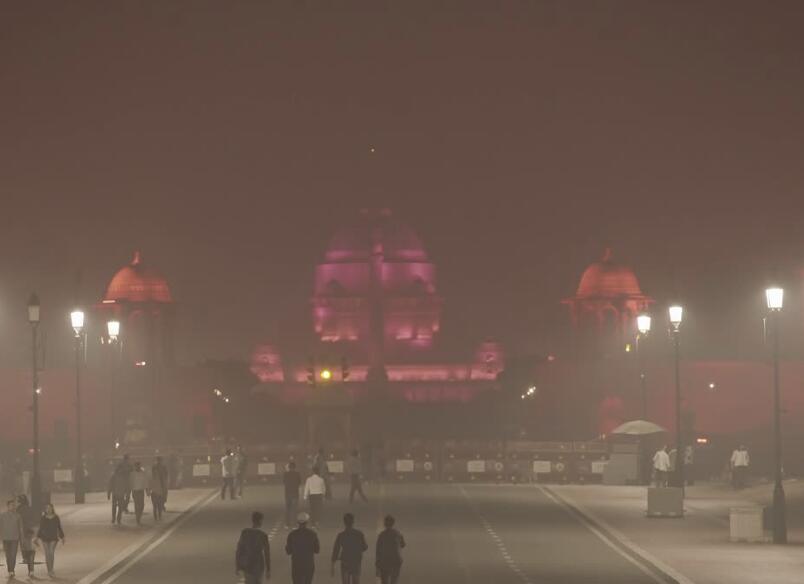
point(314, 491)
point(661, 466)
point(138, 481)
point(739, 466)
point(228, 471)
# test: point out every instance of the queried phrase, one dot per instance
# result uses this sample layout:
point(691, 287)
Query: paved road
point(471, 534)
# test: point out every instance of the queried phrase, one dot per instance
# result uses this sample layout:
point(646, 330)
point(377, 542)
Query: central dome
point(376, 232)
point(138, 283)
point(608, 279)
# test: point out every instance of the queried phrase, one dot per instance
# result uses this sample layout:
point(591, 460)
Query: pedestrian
point(28, 531)
point(228, 469)
point(292, 480)
point(49, 535)
point(689, 465)
point(174, 471)
point(253, 556)
point(302, 546)
point(349, 547)
point(116, 491)
point(661, 466)
point(315, 489)
point(157, 487)
point(11, 531)
point(355, 468)
point(388, 555)
point(126, 467)
point(139, 484)
point(160, 471)
point(242, 467)
point(739, 466)
point(320, 462)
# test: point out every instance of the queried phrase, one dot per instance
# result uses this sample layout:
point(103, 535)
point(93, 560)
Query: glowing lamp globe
point(33, 309)
point(326, 374)
point(77, 321)
point(775, 298)
point(676, 313)
point(643, 324)
point(113, 328)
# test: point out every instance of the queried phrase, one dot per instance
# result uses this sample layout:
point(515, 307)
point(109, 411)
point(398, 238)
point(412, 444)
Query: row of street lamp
point(77, 320)
point(774, 298)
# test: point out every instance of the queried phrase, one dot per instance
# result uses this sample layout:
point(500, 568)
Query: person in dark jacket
point(159, 478)
point(302, 546)
point(349, 547)
point(389, 552)
point(126, 467)
point(11, 534)
point(49, 535)
point(117, 492)
point(253, 556)
point(28, 532)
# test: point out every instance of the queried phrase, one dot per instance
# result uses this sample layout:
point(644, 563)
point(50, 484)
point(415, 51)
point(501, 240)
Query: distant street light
point(643, 326)
point(77, 322)
point(36, 479)
point(775, 300)
point(676, 314)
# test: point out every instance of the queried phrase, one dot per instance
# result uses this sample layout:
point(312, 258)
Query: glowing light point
point(326, 374)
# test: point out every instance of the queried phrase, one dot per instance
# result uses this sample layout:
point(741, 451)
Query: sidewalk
point(698, 546)
point(92, 540)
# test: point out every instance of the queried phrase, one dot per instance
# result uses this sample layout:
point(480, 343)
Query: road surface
point(457, 534)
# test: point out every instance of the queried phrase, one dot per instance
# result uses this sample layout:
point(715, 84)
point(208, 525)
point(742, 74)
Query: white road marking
point(509, 561)
point(615, 535)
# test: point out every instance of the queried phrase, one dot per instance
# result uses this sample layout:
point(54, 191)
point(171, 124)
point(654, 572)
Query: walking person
point(28, 531)
point(389, 552)
point(292, 480)
point(49, 535)
point(302, 546)
point(315, 489)
point(242, 468)
point(161, 470)
point(158, 488)
point(139, 484)
point(661, 466)
point(320, 462)
point(739, 466)
point(349, 547)
point(355, 469)
point(228, 470)
point(126, 467)
point(116, 491)
point(253, 555)
point(11, 531)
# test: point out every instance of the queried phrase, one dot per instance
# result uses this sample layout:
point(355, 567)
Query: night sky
point(228, 140)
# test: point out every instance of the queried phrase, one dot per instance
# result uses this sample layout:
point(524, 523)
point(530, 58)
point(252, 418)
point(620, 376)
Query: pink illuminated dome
point(137, 283)
point(606, 278)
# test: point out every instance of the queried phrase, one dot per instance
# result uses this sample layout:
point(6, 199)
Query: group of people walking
point(23, 533)
point(253, 555)
point(132, 482)
point(664, 463)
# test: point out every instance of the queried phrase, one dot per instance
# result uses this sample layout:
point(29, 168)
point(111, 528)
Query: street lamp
point(775, 301)
point(676, 314)
point(36, 480)
point(77, 322)
point(643, 326)
point(113, 333)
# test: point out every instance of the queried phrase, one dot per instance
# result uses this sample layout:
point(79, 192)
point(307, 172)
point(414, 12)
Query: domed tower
point(608, 300)
point(139, 297)
point(376, 287)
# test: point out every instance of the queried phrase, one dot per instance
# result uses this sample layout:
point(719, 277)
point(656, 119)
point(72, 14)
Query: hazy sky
point(228, 140)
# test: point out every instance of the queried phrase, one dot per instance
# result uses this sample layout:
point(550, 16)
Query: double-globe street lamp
point(676, 314)
point(36, 480)
point(77, 322)
point(775, 300)
point(643, 326)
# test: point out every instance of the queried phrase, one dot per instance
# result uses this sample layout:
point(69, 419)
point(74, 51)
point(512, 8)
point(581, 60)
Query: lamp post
point(36, 480)
point(113, 333)
point(643, 326)
point(77, 322)
point(775, 301)
point(676, 314)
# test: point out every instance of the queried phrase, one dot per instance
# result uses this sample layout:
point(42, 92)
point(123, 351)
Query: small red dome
point(608, 279)
point(138, 283)
point(357, 241)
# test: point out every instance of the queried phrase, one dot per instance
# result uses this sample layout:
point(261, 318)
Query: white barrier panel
point(598, 466)
point(266, 468)
point(542, 466)
point(476, 466)
point(62, 475)
point(335, 466)
point(200, 470)
point(404, 465)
